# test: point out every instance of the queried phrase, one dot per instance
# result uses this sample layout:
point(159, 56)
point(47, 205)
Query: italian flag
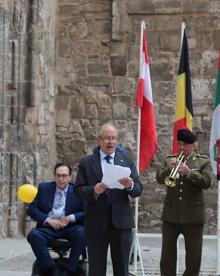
point(215, 130)
point(184, 109)
point(144, 100)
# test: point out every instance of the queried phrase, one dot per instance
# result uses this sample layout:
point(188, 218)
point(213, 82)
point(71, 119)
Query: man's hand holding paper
point(117, 177)
point(127, 182)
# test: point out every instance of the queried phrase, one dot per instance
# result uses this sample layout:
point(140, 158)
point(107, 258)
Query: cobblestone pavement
point(16, 257)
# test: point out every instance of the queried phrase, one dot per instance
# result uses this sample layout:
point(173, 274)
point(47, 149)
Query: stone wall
point(69, 66)
point(27, 128)
point(97, 72)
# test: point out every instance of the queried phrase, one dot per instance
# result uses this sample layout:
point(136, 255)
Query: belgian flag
point(184, 108)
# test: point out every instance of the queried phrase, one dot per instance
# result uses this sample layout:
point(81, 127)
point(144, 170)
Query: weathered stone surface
point(31, 129)
point(97, 69)
point(166, 109)
point(91, 111)
point(165, 90)
point(118, 65)
point(77, 145)
point(168, 40)
point(162, 71)
point(104, 101)
point(63, 118)
point(64, 49)
point(214, 6)
point(216, 39)
point(94, 80)
point(200, 88)
point(119, 110)
point(105, 114)
point(169, 6)
point(77, 107)
point(141, 7)
point(200, 110)
point(196, 7)
point(122, 85)
point(76, 127)
point(79, 29)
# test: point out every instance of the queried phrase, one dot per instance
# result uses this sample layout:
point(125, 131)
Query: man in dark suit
point(59, 214)
point(108, 214)
point(183, 211)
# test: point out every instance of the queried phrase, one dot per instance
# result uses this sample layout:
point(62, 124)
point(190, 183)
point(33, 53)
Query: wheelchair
point(60, 249)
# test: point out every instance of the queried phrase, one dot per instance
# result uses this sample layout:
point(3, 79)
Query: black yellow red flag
point(184, 108)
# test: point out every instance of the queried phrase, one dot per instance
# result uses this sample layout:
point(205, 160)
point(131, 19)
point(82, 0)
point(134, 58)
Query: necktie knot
point(108, 158)
point(62, 193)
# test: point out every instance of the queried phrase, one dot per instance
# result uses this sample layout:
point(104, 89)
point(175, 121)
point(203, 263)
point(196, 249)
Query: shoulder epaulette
point(202, 156)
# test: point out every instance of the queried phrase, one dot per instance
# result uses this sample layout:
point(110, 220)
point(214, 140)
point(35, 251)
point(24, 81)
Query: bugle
point(170, 180)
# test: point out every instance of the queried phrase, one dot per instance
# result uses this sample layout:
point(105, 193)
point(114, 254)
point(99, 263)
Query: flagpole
point(135, 243)
point(214, 153)
point(139, 109)
point(218, 230)
point(183, 26)
point(218, 214)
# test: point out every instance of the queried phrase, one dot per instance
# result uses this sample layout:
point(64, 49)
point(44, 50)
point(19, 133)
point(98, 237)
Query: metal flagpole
point(135, 243)
point(218, 230)
point(183, 26)
point(218, 214)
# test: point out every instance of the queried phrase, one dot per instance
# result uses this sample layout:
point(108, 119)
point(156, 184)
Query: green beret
point(185, 135)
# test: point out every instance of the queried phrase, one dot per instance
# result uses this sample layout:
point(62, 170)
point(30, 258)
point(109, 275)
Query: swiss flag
point(144, 100)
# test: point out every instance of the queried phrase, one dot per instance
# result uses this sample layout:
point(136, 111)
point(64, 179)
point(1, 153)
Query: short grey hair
point(109, 124)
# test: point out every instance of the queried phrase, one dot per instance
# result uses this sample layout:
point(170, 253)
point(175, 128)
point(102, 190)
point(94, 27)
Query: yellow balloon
point(27, 193)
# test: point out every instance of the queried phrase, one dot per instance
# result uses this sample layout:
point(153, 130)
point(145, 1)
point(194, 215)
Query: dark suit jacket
point(43, 203)
point(97, 208)
point(184, 203)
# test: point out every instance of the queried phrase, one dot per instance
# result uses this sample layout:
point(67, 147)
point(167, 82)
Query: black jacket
point(97, 208)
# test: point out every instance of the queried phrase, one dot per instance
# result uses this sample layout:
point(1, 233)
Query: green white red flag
point(215, 130)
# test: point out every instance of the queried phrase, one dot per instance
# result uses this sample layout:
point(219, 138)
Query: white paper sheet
point(113, 173)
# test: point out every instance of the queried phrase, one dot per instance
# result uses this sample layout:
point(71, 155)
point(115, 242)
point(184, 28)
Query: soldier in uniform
point(184, 206)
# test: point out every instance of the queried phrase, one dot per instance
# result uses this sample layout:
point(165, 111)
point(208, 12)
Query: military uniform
point(183, 213)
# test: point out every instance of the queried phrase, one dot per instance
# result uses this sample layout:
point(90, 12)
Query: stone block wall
point(27, 128)
point(69, 66)
point(97, 73)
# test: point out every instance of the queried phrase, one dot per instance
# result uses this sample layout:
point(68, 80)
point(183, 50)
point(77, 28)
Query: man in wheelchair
point(59, 215)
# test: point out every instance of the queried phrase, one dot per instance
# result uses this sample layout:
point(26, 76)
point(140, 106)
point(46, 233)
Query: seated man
point(59, 214)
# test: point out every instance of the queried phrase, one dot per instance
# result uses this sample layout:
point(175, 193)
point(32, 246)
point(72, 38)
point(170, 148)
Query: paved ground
point(16, 257)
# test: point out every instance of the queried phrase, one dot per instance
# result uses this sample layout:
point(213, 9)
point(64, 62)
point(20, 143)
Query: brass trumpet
point(170, 180)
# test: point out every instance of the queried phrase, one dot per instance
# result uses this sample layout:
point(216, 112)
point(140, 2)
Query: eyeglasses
point(109, 139)
point(61, 175)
